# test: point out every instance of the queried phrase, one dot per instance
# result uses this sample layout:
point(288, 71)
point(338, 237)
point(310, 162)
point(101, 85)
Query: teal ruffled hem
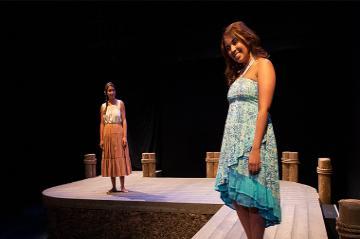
point(247, 192)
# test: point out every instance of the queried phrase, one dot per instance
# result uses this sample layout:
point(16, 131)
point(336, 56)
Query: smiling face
point(111, 92)
point(236, 49)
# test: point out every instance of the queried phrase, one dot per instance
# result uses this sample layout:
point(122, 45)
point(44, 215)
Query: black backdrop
point(165, 61)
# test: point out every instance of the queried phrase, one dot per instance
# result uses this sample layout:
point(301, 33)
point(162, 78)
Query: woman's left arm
point(124, 123)
point(266, 86)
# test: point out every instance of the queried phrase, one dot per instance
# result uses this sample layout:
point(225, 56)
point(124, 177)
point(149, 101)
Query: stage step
point(215, 221)
point(300, 212)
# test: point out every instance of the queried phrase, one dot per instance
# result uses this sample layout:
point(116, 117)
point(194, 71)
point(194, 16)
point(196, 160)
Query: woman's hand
point(254, 161)
point(101, 144)
point(124, 142)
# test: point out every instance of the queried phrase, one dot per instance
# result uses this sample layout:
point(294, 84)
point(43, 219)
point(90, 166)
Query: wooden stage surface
point(301, 213)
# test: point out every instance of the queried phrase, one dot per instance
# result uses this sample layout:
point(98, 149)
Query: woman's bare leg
point(113, 182)
point(257, 224)
point(122, 183)
point(244, 217)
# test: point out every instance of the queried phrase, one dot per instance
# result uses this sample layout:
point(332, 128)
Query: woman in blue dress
point(247, 176)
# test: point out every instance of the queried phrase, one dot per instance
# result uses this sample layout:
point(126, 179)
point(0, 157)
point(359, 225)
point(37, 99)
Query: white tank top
point(113, 113)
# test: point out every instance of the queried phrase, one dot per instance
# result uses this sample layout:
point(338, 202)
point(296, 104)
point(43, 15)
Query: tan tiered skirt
point(115, 158)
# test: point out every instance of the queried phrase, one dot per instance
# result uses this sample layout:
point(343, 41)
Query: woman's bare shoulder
point(120, 102)
point(263, 61)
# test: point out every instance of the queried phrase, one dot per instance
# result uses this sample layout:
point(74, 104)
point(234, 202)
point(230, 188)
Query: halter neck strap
point(247, 67)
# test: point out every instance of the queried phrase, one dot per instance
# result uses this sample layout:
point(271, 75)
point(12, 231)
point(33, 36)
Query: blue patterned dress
point(233, 180)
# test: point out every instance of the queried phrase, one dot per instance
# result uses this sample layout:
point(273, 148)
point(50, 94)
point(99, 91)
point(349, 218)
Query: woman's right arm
point(101, 128)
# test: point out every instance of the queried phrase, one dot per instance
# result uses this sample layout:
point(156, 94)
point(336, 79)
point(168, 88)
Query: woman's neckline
point(116, 103)
point(246, 78)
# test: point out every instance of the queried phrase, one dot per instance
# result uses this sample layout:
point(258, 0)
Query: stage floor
point(152, 193)
point(301, 213)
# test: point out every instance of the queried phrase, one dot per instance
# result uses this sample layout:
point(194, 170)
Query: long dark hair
point(249, 39)
point(107, 85)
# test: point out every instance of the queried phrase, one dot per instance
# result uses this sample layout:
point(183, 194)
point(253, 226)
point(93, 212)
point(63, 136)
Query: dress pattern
point(233, 180)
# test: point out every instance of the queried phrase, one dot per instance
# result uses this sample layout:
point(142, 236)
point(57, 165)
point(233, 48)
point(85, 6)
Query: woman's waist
point(241, 114)
point(243, 99)
point(113, 124)
point(241, 105)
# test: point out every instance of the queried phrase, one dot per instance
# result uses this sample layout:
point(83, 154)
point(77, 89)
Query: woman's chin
point(239, 59)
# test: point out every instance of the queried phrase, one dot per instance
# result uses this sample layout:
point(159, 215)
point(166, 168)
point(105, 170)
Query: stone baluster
point(348, 222)
point(212, 162)
point(293, 162)
point(290, 161)
point(285, 166)
point(90, 165)
point(148, 162)
point(324, 171)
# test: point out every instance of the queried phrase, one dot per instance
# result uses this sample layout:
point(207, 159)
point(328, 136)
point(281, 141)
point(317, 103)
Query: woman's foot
point(124, 190)
point(113, 190)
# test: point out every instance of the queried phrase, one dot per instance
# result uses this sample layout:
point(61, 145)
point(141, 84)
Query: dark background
point(165, 61)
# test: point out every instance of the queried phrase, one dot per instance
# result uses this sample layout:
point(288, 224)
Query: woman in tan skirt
point(113, 139)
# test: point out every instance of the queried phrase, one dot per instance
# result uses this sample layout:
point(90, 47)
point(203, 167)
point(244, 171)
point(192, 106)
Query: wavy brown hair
point(249, 39)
